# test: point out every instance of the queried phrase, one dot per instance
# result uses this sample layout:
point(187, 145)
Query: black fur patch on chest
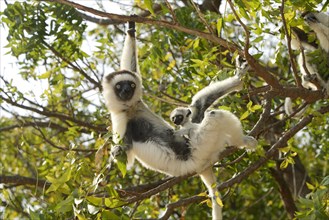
point(142, 130)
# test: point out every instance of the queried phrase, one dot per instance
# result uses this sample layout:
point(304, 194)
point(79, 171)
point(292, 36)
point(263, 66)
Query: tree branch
point(294, 93)
point(47, 124)
point(271, 152)
point(55, 114)
point(288, 36)
point(170, 208)
point(138, 19)
point(285, 193)
point(200, 15)
point(259, 69)
point(63, 148)
point(22, 180)
point(74, 67)
point(241, 176)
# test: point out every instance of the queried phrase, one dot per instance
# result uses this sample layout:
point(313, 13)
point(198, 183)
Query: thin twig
point(138, 19)
point(60, 116)
point(259, 70)
point(170, 208)
point(63, 148)
point(200, 15)
point(74, 67)
point(288, 36)
point(171, 11)
point(272, 151)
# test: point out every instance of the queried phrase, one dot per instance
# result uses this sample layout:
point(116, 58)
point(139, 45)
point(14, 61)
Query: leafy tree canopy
point(54, 136)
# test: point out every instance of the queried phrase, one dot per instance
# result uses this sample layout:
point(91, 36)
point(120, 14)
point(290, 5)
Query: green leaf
point(325, 181)
point(249, 104)
point(284, 164)
point(310, 186)
point(65, 205)
point(196, 43)
point(97, 201)
point(59, 182)
point(149, 6)
point(65, 177)
point(255, 108)
point(219, 26)
point(122, 167)
point(106, 214)
point(244, 115)
point(34, 215)
point(113, 202)
point(218, 200)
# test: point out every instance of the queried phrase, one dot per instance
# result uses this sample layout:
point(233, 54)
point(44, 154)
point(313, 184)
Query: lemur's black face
point(178, 119)
point(310, 17)
point(125, 90)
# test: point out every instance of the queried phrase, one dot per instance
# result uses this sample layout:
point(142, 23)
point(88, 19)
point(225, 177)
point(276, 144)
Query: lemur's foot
point(311, 77)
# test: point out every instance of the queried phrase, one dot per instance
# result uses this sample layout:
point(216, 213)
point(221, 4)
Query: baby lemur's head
point(180, 116)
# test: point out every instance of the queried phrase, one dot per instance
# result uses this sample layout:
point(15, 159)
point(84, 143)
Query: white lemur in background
point(319, 23)
point(148, 137)
point(316, 62)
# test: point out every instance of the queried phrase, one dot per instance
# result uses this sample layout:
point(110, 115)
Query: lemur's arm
point(129, 53)
point(203, 99)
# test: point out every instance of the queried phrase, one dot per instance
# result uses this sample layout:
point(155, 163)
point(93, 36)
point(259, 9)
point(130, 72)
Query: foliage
point(54, 137)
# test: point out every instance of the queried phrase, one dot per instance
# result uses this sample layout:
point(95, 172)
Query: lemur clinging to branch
point(154, 142)
point(313, 61)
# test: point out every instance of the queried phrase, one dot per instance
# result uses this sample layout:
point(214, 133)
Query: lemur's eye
point(117, 86)
point(133, 85)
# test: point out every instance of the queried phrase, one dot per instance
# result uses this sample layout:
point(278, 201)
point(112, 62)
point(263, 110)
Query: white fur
point(162, 159)
point(154, 154)
point(209, 179)
point(227, 85)
point(289, 110)
point(129, 55)
point(223, 85)
point(221, 128)
point(321, 28)
point(111, 100)
point(218, 129)
point(186, 126)
point(295, 45)
point(311, 69)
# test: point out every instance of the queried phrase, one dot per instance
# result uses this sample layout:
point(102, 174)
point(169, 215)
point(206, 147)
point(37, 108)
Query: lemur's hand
point(115, 150)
